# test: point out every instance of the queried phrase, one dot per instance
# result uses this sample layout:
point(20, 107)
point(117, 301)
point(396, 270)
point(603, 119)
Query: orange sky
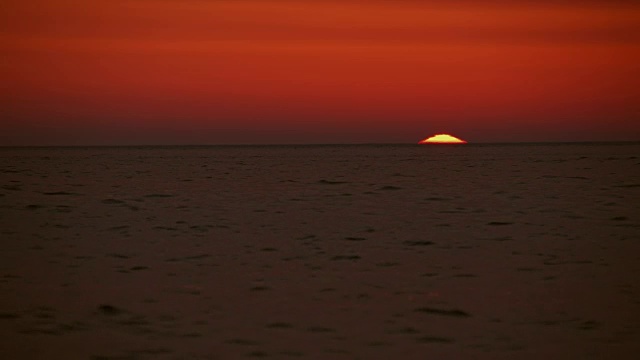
point(241, 71)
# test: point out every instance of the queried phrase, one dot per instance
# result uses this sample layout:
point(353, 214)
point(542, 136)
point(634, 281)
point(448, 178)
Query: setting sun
point(442, 139)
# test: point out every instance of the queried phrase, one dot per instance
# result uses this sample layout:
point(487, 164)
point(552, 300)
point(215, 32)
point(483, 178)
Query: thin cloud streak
point(324, 21)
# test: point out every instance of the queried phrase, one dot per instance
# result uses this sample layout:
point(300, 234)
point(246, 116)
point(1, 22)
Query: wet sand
point(321, 252)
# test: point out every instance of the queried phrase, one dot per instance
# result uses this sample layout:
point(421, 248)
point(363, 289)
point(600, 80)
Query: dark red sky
point(237, 71)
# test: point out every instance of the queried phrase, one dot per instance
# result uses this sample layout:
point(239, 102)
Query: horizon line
point(324, 144)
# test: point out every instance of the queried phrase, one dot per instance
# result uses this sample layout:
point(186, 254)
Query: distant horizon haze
point(128, 136)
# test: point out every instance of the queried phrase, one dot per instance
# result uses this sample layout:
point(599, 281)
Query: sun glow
point(442, 139)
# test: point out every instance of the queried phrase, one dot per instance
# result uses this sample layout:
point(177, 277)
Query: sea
point(367, 251)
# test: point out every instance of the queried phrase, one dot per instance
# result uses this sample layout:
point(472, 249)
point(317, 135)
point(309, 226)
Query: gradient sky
point(115, 72)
